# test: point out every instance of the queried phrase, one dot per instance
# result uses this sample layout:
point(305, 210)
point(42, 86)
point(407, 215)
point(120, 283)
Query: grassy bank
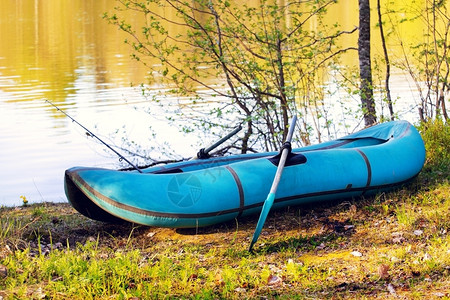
point(392, 245)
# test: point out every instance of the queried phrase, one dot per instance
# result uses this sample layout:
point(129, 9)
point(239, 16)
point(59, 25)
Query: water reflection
point(54, 45)
point(65, 52)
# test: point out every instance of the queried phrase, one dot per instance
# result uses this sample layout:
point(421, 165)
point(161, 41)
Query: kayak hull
point(206, 192)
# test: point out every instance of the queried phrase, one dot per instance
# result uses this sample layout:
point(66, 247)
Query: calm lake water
point(65, 52)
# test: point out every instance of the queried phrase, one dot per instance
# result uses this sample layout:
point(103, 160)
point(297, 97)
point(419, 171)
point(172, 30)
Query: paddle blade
point(262, 218)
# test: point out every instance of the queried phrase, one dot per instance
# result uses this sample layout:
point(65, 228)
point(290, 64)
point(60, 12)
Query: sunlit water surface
point(66, 53)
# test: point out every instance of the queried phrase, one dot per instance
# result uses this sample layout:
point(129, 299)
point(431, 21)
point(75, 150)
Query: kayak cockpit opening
point(168, 171)
point(363, 142)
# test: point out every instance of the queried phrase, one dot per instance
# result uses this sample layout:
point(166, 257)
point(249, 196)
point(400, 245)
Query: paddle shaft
point(93, 135)
point(219, 142)
point(271, 196)
point(277, 178)
point(283, 158)
point(204, 153)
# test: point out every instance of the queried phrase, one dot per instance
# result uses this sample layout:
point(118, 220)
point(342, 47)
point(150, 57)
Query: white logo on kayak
point(184, 190)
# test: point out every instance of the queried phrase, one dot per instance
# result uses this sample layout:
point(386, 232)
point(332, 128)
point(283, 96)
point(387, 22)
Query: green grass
point(392, 245)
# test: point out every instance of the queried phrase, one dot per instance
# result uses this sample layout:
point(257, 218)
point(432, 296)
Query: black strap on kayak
point(286, 145)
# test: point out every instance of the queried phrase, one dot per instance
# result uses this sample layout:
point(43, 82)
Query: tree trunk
point(365, 68)
point(388, 64)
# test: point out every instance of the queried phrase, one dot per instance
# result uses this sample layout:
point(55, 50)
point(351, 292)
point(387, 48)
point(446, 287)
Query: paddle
point(271, 196)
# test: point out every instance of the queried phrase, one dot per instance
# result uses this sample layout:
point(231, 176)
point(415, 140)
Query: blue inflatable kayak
point(210, 191)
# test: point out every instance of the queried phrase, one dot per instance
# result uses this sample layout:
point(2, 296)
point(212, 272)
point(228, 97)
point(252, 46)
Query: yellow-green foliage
point(436, 135)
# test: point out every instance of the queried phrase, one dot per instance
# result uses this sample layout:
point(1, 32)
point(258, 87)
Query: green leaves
point(268, 57)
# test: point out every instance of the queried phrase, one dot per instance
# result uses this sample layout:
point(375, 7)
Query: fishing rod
point(93, 135)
